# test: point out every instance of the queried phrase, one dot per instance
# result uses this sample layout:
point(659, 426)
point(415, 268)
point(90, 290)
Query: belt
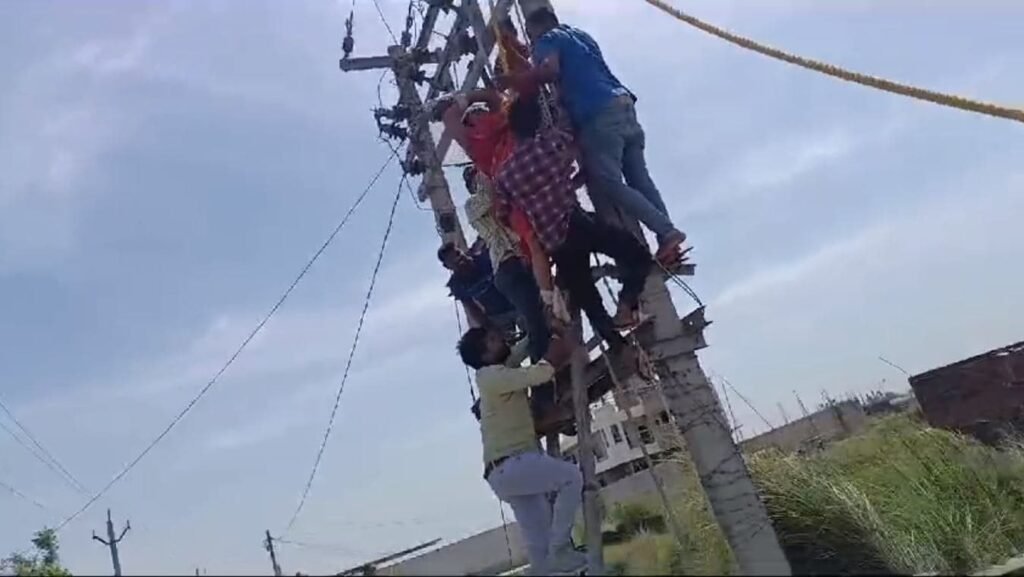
point(492, 465)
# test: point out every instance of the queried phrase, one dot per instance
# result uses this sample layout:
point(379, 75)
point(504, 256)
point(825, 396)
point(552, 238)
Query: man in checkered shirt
point(539, 179)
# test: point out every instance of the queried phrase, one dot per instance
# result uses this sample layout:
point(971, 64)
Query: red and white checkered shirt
point(537, 178)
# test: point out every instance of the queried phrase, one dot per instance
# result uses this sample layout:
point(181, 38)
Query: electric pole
point(268, 544)
point(112, 541)
point(695, 409)
point(689, 396)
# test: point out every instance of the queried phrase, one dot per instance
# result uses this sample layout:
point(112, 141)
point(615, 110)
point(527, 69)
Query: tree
point(44, 562)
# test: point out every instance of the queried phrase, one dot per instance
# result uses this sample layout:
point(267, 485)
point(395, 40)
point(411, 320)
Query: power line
point(385, 21)
point(351, 356)
point(237, 352)
point(23, 496)
point(469, 380)
point(50, 461)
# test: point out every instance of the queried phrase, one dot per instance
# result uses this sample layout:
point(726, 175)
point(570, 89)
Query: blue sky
point(167, 168)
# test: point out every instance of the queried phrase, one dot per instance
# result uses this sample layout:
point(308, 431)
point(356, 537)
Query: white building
point(617, 441)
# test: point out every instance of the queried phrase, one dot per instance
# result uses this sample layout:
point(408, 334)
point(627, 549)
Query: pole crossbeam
point(112, 541)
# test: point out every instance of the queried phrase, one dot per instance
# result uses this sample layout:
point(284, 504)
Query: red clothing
point(490, 143)
point(537, 178)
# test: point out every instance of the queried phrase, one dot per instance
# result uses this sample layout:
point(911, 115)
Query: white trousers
point(524, 482)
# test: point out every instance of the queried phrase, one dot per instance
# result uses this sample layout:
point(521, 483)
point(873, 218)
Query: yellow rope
point(502, 55)
point(940, 98)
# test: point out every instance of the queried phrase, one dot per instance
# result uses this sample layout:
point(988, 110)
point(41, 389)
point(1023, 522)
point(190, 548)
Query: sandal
point(668, 246)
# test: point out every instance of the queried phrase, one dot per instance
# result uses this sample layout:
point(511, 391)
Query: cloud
point(56, 127)
point(920, 234)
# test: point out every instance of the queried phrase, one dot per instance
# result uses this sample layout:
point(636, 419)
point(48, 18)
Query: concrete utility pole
point(268, 544)
point(585, 453)
point(696, 411)
point(112, 541)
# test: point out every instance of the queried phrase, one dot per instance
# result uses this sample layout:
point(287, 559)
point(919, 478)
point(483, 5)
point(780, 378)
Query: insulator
point(415, 167)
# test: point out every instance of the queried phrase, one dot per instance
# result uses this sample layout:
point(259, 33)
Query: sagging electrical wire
point(351, 356)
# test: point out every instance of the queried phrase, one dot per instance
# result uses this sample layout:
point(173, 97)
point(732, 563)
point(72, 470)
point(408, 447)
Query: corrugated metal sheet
point(988, 388)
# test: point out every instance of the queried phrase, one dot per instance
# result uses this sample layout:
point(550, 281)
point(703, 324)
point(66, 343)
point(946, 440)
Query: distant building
point(486, 553)
point(832, 423)
point(617, 442)
point(981, 396)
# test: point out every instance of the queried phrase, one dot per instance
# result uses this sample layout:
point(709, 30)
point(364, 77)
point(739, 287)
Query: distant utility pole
point(268, 544)
point(782, 410)
point(111, 542)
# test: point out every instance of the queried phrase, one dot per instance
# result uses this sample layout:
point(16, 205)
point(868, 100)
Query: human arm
point(546, 68)
point(474, 314)
point(450, 109)
point(498, 380)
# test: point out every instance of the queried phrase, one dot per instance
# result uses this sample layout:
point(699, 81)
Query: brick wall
point(988, 387)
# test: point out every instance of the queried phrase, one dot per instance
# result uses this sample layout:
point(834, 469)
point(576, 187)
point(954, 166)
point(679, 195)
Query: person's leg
point(573, 261)
point(538, 257)
point(634, 162)
point(630, 256)
point(536, 474)
point(533, 513)
point(516, 282)
point(603, 144)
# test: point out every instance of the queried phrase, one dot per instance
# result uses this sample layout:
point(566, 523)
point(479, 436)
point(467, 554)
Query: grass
point(902, 498)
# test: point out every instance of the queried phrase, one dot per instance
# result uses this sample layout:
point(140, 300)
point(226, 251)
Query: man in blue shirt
point(608, 133)
point(472, 284)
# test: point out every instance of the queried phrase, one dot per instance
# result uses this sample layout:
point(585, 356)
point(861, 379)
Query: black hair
point(542, 16)
point(446, 249)
point(473, 347)
point(524, 116)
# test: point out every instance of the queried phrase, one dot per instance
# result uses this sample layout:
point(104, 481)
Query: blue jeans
point(515, 281)
point(612, 145)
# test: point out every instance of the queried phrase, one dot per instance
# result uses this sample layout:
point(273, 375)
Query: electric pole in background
point(268, 544)
point(112, 541)
point(674, 341)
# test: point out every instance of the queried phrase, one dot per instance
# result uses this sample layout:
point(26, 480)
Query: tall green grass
point(902, 498)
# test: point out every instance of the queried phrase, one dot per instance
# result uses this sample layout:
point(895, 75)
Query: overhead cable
point(192, 403)
point(351, 356)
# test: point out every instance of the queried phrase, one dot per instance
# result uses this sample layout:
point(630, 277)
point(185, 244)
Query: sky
point(167, 168)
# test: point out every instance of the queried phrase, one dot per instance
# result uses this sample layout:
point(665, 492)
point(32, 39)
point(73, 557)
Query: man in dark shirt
point(472, 284)
point(539, 178)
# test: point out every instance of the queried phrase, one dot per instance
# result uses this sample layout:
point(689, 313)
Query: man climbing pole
point(472, 284)
point(539, 179)
point(516, 469)
point(511, 275)
point(602, 111)
point(477, 121)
